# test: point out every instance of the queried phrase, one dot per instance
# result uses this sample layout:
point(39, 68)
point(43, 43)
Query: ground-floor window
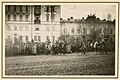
point(39, 38)
point(47, 38)
point(26, 38)
point(53, 38)
point(35, 38)
point(20, 38)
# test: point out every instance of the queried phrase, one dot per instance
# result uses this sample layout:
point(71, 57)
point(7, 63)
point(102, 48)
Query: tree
point(94, 34)
point(62, 38)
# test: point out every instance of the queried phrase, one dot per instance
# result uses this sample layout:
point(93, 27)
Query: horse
point(96, 46)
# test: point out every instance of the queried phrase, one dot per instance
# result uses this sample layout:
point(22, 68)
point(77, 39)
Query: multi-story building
point(91, 26)
point(32, 22)
point(43, 22)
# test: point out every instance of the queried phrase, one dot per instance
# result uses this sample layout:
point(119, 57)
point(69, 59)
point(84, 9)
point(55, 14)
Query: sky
point(77, 11)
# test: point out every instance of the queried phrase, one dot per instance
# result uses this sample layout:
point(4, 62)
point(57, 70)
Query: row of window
point(51, 8)
point(78, 30)
point(36, 38)
point(20, 17)
point(26, 17)
point(48, 17)
point(85, 30)
point(73, 30)
point(16, 28)
point(21, 28)
point(21, 38)
point(47, 9)
point(15, 8)
point(47, 28)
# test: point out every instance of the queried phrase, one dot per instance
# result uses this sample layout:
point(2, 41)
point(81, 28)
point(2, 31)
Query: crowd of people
point(58, 47)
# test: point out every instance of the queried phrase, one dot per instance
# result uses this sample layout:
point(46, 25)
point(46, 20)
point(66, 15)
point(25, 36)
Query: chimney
point(60, 18)
point(83, 18)
point(71, 17)
point(68, 18)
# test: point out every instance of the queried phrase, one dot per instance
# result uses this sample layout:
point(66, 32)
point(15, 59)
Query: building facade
point(43, 22)
point(32, 22)
point(89, 27)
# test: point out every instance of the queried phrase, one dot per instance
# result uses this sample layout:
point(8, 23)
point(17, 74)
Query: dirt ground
point(70, 64)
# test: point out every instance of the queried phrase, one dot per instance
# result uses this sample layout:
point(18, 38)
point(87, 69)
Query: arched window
point(8, 17)
point(35, 38)
point(73, 31)
point(20, 17)
point(39, 38)
point(26, 28)
point(26, 8)
point(26, 38)
point(47, 8)
point(64, 30)
point(47, 28)
point(14, 17)
point(53, 28)
point(15, 28)
point(78, 29)
point(84, 31)
point(20, 28)
point(20, 8)
point(8, 28)
point(37, 29)
point(26, 17)
point(47, 17)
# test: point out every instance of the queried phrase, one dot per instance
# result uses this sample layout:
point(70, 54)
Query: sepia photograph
point(60, 39)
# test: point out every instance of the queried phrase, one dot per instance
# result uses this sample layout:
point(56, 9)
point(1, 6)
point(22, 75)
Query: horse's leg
point(96, 50)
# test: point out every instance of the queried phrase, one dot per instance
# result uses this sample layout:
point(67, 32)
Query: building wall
point(80, 27)
point(50, 27)
point(39, 21)
point(22, 21)
point(16, 26)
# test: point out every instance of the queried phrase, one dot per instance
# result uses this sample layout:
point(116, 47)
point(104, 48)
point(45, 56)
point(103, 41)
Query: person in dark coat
point(84, 47)
point(60, 47)
point(64, 48)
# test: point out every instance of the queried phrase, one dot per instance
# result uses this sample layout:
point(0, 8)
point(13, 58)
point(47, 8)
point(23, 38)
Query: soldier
point(49, 48)
point(64, 48)
point(45, 48)
point(60, 47)
point(24, 48)
point(18, 49)
point(106, 46)
point(68, 47)
point(37, 47)
point(84, 47)
point(30, 48)
point(34, 51)
point(27, 49)
point(53, 49)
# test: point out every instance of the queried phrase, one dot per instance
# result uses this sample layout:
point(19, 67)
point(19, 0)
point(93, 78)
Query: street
point(70, 64)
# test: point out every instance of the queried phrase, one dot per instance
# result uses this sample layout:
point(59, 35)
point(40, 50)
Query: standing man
point(84, 47)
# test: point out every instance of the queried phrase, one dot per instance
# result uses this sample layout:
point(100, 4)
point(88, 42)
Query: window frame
point(15, 28)
point(73, 30)
point(21, 17)
point(35, 38)
point(26, 38)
